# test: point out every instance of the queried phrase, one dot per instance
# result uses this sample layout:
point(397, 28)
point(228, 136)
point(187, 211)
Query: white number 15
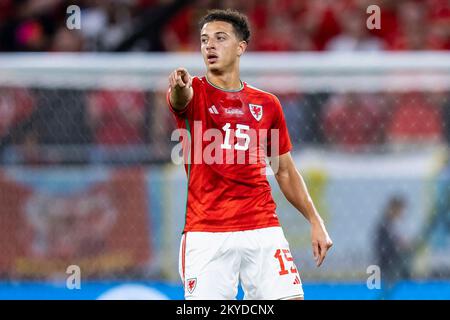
point(240, 134)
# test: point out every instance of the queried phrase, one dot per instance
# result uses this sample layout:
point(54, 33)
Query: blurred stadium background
point(86, 175)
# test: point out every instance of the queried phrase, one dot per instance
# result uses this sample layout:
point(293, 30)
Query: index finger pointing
point(181, 71)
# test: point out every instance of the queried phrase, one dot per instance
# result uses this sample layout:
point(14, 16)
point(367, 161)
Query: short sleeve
point(278, 141)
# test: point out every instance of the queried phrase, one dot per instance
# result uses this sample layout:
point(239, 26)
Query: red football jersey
point(229, 133)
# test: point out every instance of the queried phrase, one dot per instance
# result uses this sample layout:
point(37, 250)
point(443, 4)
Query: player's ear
point(241, 48)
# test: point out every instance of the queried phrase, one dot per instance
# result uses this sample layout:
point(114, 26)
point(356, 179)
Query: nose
point(210, 44)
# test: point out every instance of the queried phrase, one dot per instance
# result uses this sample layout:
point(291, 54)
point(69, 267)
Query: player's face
point(220, 46)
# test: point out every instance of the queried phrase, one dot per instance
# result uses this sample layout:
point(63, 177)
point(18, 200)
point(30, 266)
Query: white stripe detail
point(252, 87)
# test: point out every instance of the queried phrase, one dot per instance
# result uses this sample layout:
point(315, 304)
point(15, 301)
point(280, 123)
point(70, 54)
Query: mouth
point(212, 58)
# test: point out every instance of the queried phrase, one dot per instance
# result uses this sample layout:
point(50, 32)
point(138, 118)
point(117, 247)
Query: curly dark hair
point(238, 20)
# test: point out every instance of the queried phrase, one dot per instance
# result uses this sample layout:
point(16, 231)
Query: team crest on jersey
point(256, 111)
point(191, 284)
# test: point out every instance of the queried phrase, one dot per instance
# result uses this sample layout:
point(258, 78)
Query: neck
point(226, 81)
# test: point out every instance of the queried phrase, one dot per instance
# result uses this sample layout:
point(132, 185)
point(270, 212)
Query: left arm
point(294, 189)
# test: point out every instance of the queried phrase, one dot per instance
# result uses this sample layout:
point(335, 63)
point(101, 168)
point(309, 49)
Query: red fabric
point(440, 20)
point(269, 40)
point(415, 119)
point(16, 104)
point(180, 26)
point(110, 109)
point(389, 27)
point(258, 17)
point(439, 10)
point(6, 9)
point(223, 196)
point(328, 28)
point(352, 125)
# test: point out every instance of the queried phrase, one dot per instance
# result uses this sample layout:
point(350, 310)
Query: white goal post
point(279, 72)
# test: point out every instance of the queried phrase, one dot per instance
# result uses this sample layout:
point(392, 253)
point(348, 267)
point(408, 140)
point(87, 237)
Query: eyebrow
point(216, 33)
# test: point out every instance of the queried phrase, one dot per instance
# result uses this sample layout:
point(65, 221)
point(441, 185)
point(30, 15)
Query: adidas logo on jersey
point(213, 110)
point(297, 280)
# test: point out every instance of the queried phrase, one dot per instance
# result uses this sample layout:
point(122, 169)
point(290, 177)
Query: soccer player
point(232, 232)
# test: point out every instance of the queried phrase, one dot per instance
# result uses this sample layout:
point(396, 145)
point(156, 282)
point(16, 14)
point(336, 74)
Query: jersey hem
point(232, 229)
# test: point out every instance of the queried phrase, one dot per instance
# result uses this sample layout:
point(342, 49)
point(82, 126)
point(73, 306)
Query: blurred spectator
point(352, 120)
point(355, 36)
point(440, 99)
point(446, 117)
point(6, 8)
point(106, 24)
point(414, 119)
point(436, 232)
point(276, 37)
point(302, 113)
point(389, 20)
point(61, 112)
point(18, 139)
point(29, 25)
point(416, 28)
point(314, 104)
point(411, 34)
point(392, 250)
point(321, 21)
point(147, 32)
point(181, 32)
point(171, 25)
point(60, 117)
point(161, 124)
point(296, 116)
point(117, 117)
point(66, 40)
point(28, 152)
point(16, 107)
point(440, 22)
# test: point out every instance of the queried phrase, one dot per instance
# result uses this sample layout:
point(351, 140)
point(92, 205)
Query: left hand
point(321, 242)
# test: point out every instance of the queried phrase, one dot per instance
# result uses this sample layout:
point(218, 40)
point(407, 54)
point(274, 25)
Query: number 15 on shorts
point(284, 258)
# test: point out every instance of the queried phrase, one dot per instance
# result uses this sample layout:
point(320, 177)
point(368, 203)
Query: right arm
point(181, 91)
point(294, 189)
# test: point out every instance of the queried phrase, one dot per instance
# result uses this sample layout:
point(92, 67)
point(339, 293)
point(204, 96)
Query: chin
point(214, 68)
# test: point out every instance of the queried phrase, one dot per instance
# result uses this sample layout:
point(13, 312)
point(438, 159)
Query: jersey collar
point(226, 90)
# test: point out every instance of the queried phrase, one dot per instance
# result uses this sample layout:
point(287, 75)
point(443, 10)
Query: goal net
point(86, 175)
